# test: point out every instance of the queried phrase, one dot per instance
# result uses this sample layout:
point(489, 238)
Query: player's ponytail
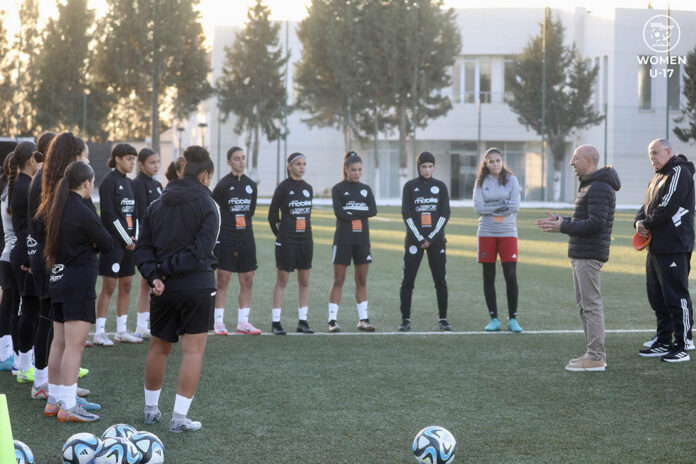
point(76, 174)
point(197, 161)
point(23, 152)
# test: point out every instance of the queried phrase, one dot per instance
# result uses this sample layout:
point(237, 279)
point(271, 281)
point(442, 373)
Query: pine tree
point(26, 46)
point(688, 112)
point(251, 85)
point(7, 87)
point(151, 57)
point(569, 81)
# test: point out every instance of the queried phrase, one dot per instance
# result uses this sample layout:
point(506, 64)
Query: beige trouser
point(586, 277)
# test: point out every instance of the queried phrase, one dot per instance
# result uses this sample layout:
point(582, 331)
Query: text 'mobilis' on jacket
point(290, 210)
point(425, 209)
point(236, 196)
point(353, 204)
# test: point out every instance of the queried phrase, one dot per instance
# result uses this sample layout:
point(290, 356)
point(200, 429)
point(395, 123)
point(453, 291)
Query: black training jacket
point(353, 203)
point(178, 235)
point(668, 209)
point(82, 235)
point(425, 208)
point(119, 213)
point(145, 190)
point(35, 227)
point(20, 212)
point(290, 210)
point(590, 226)
point(236, 196)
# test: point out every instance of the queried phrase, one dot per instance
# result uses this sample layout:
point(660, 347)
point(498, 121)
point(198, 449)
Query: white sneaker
point(142, 332)
point(102, 339)
point(127, 337)
point(689, 345)
point(184, 425)
point(650, 342)
point(220, 328)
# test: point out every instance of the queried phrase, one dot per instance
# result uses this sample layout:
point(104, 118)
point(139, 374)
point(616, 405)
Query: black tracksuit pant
point(667, 281)
point(437, 259)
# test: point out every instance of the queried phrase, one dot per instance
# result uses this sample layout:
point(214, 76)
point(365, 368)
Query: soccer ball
point(434, 445)
point(81, 448)
point(118, 450)
point(149, 446)
point(23, 453)
point(119, 430)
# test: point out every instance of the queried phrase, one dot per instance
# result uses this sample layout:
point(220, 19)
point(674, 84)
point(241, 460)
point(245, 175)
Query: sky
point(233, 12)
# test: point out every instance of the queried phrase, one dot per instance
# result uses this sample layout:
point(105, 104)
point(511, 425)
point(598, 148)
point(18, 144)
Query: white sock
point(152, 397)
point(219, 313)
point(302, 312)
point(243, 315)
point(121, 323)
point(40, 376)
point(276, 314)
point(333, 312)
point(54, 392)
point(100, 325)
point(143, 319)
point(68, 395)
point(24, 362)
point(362, 310)
point(5, 347)
point(182, 405)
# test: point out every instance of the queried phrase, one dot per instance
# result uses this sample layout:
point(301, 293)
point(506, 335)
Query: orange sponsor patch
point(357, 225)
point(129, 221)
point(497, 218)
point(426, 220)
point(300, 224)
point(240, 221)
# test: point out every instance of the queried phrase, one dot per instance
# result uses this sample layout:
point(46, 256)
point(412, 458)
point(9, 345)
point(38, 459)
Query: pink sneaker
point(247, 328)
point(220, 328)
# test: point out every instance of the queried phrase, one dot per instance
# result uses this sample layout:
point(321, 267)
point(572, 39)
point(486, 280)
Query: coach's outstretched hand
point(550, 224)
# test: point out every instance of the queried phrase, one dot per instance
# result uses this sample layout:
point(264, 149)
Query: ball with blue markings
point(150, 447)
point(81, 448)
point(119, 430)
point(434, 445)
point(23, 453)
point(118, 450)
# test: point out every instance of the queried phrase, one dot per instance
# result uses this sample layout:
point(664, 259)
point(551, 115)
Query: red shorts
point(490, 247)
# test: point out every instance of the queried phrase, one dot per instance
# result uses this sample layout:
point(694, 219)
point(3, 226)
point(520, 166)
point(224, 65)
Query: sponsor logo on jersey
point(31, 242)
point(356, 206)
point(435, 189)
point(57, 268)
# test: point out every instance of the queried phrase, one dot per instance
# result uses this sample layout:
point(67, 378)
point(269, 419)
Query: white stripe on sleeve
point(414, 229)
point(122, 232)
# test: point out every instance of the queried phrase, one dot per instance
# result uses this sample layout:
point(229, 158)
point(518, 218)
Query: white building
point(635, 96)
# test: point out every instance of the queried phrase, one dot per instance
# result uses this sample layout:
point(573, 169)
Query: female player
point(146, 190)
point(353, 203)
point(236, 251)
point(74, 234)
point(119, 215)
point(24, 164)
point(497, 201)
point(175, 170)
point(175, 255)
point(425, 208)
point(9, 304)
point(289, 216)
point(43, 332)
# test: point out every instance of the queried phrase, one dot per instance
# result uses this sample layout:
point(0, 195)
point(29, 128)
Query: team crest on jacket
point(435, 189)
point(305, 193)
point(249, 189)
point(363, 192)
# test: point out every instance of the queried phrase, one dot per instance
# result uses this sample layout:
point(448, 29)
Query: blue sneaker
point(87, 405)
point(493, 326)
point(514, 326)
point(6, 365)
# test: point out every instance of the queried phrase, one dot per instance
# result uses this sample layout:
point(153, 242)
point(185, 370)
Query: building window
point(477, 79)
point(469, 81)
point(644, 85)
point(674, 82)
point(596, 87)
point(508, 75)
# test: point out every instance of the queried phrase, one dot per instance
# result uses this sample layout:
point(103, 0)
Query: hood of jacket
point(180, 191)
point(606, 174)
point(677, 160)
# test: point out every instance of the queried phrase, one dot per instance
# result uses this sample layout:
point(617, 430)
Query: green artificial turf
point(361, 398)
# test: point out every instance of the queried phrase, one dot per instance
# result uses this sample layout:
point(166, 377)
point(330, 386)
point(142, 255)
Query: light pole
point(202, 126)
point(180, 130)
point(84, 112)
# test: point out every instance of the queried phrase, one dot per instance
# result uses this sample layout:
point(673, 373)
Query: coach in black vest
point(589, 229)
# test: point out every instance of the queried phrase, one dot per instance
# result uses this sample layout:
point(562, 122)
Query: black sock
point(489, 288)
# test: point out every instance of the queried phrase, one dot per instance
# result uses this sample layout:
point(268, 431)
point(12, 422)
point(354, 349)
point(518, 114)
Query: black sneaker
point(657, 349)
point(405, 325)
point(444, 325)
point(303, 327)
point(277, 329)
point(333, 326)
point(676, 355)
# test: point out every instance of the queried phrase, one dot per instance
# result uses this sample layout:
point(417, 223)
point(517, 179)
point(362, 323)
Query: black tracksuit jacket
point(353, 203)
point(425, 209)
point(236, 197)
point(290, 210)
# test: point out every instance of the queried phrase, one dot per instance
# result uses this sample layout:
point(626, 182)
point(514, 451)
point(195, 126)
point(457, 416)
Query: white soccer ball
point(150, 446)
point(23, 453)
point(117, 450)
point(81, 448)
point(119, 430)
point(434, 445)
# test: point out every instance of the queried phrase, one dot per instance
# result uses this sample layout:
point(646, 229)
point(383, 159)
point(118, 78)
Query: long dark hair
point(65, 148)
point(6, 172)
point(484, 171)
point(350, 159)
point(174, 167)
point(119, 151)
point(76, 173)
point(23, 152)
point(197, 161)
